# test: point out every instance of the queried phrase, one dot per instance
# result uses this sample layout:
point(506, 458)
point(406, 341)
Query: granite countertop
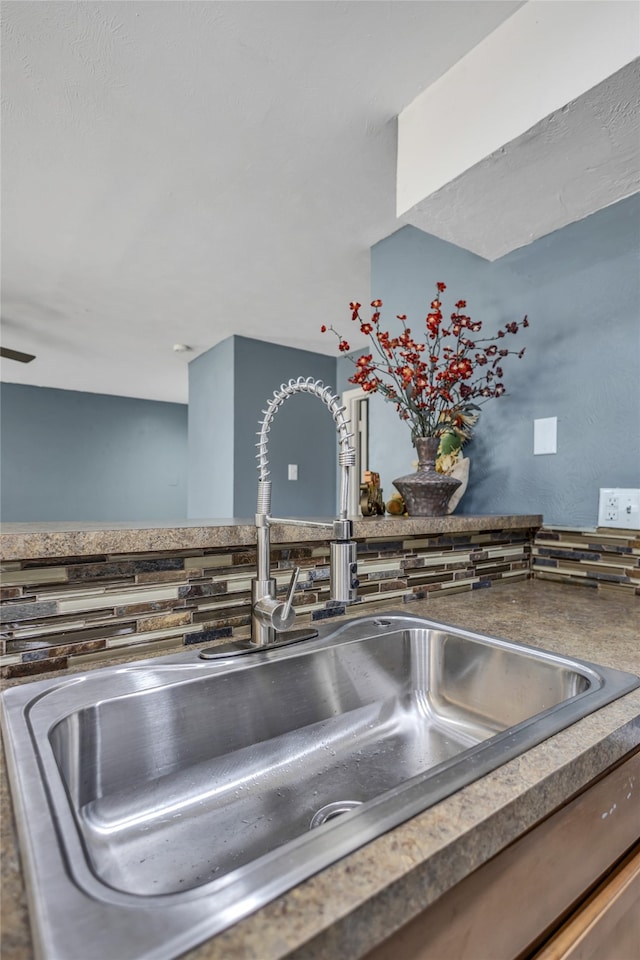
point(351, 906)
point(27, 541)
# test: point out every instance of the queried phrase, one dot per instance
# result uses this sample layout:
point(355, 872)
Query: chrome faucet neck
point(263, 631)
point(271, 619)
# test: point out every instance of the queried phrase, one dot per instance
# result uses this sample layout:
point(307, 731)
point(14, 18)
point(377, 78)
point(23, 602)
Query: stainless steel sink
point(160, 802)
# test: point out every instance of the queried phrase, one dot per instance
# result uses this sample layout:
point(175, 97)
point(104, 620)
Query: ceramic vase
point(426, 493)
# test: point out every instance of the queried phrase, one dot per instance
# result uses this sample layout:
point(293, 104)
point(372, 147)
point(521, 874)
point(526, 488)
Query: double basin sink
point(160, 802)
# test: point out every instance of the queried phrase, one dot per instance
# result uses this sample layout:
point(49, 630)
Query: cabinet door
point(508, 907)
point(607, 926)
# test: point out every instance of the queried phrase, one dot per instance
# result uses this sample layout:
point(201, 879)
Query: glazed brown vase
point(426, 493)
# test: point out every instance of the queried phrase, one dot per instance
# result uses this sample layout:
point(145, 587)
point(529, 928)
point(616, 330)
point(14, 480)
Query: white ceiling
point(183, 171)
point(178, 171)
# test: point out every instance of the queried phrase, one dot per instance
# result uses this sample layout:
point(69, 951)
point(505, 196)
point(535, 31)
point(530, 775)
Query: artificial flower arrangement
point(437, 383)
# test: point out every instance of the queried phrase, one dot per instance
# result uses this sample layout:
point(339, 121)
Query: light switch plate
point(545, 435)
point(293, 471)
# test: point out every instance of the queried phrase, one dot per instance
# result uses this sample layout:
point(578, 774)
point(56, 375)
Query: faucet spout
point(271, 619)
point(343, 549)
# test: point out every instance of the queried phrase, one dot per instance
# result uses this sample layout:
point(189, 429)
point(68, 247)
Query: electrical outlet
point(619, 508)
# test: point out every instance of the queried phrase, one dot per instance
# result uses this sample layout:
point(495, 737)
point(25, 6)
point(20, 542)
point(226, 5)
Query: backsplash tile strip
point(10, 593)
point(600, 559)
point(13, 612)
point(35, 667)
point(93, 606)
point(26, 577)
point(209, 635)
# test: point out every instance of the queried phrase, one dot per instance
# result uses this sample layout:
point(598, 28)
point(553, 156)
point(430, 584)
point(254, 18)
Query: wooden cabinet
point(518, 900)
point(607, 925)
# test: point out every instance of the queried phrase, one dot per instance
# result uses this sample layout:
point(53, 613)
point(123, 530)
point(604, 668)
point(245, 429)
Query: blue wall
point(581, 289)
point(82, 456)
point(78, 456)
point(229, 386)
point(303, 431)
point(211, 432)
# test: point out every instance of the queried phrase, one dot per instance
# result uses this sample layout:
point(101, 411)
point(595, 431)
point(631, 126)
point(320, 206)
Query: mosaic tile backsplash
point(58, 612)
point(605, 559)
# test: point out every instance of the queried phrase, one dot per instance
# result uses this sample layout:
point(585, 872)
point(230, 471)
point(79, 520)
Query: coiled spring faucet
point(271, 619)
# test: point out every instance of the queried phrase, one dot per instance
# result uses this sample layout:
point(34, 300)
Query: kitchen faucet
point(271, 618)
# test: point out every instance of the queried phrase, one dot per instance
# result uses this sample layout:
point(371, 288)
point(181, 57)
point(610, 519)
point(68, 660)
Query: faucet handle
point(278, 614)
point(295, 573)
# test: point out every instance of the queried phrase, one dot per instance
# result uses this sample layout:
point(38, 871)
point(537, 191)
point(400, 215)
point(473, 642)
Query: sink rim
point(163, 668)
point(350, 831)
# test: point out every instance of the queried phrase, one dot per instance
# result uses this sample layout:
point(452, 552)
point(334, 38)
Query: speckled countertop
point(350, 907)
point(27, 541)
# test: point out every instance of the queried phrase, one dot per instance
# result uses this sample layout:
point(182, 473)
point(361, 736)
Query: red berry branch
point(437, 383)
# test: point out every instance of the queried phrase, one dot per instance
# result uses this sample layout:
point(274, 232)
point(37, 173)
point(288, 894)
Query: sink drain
point(331, 810)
